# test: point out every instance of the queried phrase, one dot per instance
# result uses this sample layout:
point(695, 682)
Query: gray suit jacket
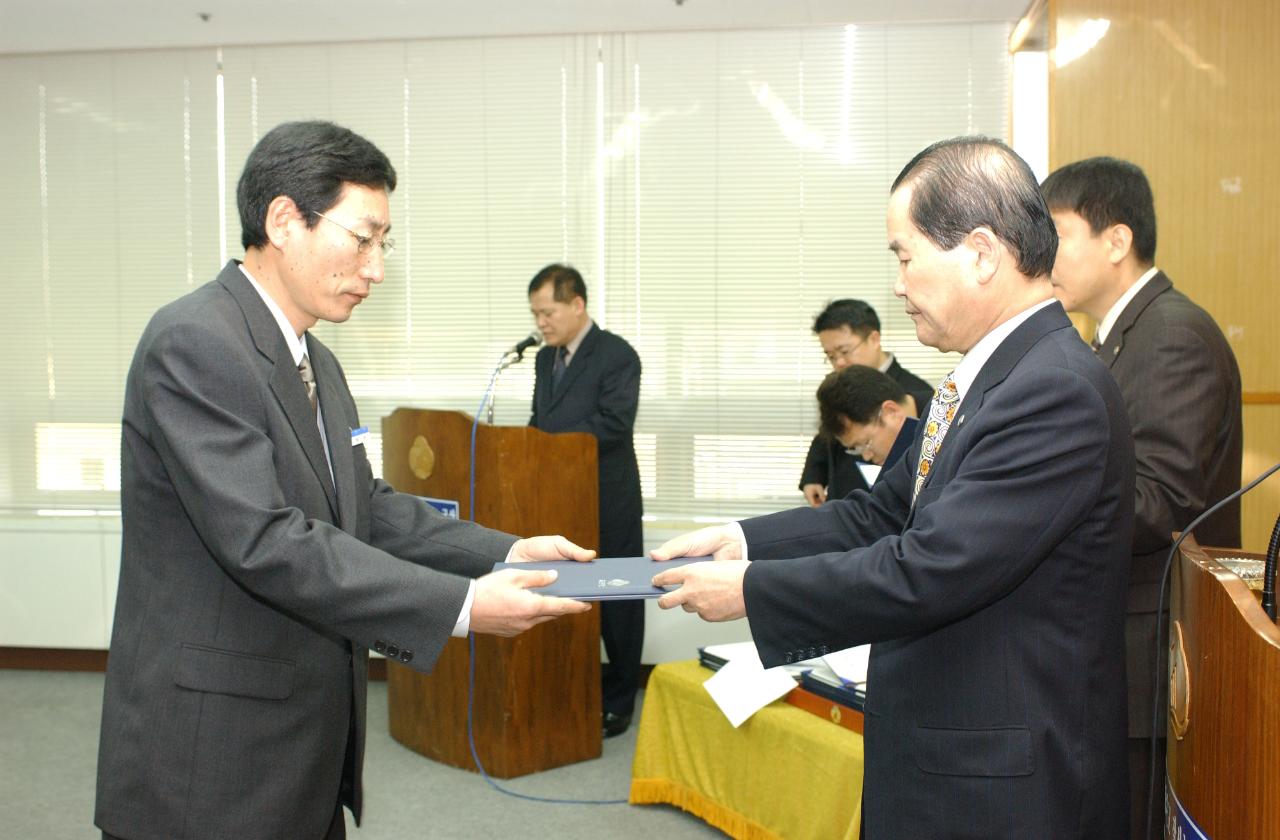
point(1181, 388)
point(251, 585)
point(995, 701)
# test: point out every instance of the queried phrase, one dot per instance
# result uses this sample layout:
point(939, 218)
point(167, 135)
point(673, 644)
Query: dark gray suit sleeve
point(1032, 472)
point(222, 444)
point(1176, 421)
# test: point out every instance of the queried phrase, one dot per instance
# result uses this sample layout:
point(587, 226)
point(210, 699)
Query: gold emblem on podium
point(1179, 682)
point(835, 713)
point(422, 458)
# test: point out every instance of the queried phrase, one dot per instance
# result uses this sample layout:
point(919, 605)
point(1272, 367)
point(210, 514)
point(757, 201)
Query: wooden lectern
point(1224, 708)
point(537, 696)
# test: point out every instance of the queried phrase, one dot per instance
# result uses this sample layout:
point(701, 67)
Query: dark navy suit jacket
point(600, 394)
point(996, 688)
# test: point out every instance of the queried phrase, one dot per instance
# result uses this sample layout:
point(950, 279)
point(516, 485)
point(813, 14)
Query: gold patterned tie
point(942, 409)
point(308, 381)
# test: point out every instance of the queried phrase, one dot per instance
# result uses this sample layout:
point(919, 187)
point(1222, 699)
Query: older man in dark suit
point(988, 567)
point(261, 558)
point(1181, 387)
point(588, 380)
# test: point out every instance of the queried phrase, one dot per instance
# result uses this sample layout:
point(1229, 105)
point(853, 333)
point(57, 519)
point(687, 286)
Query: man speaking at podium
point(260, 558)
point(588, 380)
point(988, 566)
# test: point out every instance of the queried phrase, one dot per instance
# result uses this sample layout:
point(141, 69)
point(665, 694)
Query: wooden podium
point(537, 696)
point(1224, 709)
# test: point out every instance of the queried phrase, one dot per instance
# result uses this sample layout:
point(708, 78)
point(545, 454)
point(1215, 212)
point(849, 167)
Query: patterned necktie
point(557, 370)
point(942, 408)
point(308, 381)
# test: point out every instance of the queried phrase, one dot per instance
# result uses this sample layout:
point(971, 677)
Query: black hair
point(857, 315)
point(568, 282)
point(310, 162)
point(965, 183)
point(856, 393)
point(1107, 191)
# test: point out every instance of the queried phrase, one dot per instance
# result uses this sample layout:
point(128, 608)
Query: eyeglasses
point(863, 449)
point(365, 244)
point(841, 354)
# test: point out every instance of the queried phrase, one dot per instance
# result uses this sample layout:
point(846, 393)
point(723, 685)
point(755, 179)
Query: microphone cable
point(1164, 583)
point(471, 643)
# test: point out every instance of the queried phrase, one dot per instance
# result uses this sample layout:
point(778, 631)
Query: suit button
point(380, 646)
point(393, 651)
point(823, 650)
point(788, 658)
point(812, 653)
point(406, 656)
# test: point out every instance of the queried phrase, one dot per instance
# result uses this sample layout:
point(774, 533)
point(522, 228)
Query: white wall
point(59, 580)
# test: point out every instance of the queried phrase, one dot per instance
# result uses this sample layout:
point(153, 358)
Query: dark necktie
point(308, 381)
point(1095, 344)
point(557, 370)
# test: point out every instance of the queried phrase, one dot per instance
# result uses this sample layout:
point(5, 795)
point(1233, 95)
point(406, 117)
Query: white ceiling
point(28, 26)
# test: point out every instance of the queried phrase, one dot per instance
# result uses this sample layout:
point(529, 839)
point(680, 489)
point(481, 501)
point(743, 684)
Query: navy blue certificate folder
point(605, 579)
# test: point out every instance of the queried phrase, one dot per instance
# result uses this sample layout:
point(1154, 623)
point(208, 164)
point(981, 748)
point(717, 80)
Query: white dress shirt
point(1104, 328)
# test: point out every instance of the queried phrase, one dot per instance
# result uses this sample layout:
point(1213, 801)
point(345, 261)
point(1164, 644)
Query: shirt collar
point(888, 363)
point(1113, 314)
point(297, 346)
point(571, 348)
point(973, 362)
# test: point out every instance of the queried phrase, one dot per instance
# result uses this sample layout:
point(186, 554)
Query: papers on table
point(742, 685)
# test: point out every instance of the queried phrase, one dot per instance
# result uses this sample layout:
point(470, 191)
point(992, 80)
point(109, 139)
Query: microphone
point(533, 339)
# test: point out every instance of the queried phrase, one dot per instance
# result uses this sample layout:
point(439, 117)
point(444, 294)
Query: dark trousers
point(1139, 778)
point(622, 629)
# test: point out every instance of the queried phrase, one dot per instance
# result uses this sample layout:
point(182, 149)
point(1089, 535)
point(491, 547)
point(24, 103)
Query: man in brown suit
point(1181, 388)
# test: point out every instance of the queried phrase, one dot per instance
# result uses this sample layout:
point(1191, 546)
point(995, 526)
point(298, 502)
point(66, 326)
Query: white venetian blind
point(715, 189)
point(109, 169)
point(753, 193)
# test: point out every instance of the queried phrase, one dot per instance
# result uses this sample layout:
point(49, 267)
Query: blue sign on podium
point(448, 507)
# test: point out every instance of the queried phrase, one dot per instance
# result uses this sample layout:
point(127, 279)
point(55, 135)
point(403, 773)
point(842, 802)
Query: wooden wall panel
point(1261, 451)
point(1188, 90)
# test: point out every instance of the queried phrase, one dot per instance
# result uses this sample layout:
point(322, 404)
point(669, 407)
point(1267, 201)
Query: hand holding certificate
point(712, 590)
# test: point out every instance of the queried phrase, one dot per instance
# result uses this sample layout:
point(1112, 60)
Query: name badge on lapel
point(360, 436)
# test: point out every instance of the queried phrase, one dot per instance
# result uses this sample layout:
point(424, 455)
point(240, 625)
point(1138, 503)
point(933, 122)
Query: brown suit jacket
point(1181, 389)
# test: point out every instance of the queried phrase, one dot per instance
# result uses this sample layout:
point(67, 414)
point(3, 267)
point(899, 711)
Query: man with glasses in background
point(849, 332)
point(868, 413)
point(261, 559)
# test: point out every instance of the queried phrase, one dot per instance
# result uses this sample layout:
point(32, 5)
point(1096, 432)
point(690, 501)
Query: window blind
point(715, 189)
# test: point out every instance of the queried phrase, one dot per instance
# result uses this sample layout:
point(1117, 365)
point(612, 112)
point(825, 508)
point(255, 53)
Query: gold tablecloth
point(784, 774)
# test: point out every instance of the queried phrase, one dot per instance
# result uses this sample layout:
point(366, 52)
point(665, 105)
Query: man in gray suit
point(260, 557)
point(1181, 389)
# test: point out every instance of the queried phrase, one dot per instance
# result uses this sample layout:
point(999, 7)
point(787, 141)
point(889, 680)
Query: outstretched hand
point(504, 606)
point(555, 547)
point(717, 541)
point(712, 590)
